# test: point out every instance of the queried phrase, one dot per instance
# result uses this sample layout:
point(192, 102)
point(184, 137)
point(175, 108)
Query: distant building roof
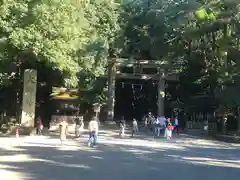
point(64, 93)
point(64, 96)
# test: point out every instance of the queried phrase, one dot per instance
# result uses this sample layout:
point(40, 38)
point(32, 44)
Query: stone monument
point(29, 98)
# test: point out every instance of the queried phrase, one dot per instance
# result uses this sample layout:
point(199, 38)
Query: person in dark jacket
point(39, 126)
point(151, 120)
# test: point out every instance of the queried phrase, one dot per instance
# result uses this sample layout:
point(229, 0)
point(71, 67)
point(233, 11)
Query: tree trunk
point(111, 90)
point(238, 118)
point(161, 96)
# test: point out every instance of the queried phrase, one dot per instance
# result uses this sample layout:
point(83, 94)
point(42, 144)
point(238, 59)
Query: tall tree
point(71, 36)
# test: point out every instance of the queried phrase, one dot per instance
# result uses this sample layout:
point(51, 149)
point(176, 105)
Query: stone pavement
point(227, 138)
point(140, 158)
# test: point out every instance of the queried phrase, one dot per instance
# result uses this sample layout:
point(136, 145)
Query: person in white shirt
point(93, 132)
point(122, 126)
point(158, 126)
point(79, 126)
point(163, 122)
point(134, 127)
point(63, 126)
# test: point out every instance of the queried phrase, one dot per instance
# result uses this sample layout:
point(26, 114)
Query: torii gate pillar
point(111, 90)
point(161, 95)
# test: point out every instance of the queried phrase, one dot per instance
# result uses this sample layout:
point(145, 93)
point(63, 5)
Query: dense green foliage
point(69, 35)
point(77, 37)
point(203, 36)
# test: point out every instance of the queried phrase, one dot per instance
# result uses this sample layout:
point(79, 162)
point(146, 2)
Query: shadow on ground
point(119, 159)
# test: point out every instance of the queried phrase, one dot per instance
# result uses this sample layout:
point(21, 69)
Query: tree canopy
point(77, 38)
point(201, 35)
point(69, 35)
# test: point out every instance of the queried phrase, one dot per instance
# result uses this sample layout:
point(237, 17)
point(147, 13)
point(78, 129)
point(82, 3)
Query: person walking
point(162, 123)
point(166, 127)
point(145, 121)
point(176, 124)
point(151, 120)
point(93, 131)
point(157, 126)
point(169, 129)
point(122, 127)
point(39, 126)
point(134, 127)
point(63, 130)
point(79, 126)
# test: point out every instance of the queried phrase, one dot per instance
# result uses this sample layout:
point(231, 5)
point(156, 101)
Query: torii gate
point(138, 66)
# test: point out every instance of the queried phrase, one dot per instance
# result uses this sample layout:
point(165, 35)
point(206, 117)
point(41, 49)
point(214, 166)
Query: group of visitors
point(161, 124)
point(93, 127)
point(122, 125)
point(156, 125)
